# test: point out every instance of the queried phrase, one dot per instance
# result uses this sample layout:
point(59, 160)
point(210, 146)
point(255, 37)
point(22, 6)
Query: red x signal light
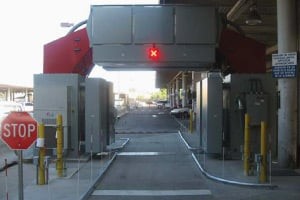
point(153, 53)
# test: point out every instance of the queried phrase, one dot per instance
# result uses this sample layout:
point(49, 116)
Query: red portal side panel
point(69, 54)
point(243, 55)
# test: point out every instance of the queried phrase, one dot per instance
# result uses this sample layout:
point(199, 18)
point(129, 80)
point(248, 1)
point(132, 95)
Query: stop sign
point(18, 130)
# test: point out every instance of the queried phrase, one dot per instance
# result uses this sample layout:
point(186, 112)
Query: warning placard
point(284, 65)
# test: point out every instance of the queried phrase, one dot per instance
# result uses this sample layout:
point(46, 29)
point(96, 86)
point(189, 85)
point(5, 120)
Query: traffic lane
point(169, 176)
point(154, 165)
point(146, 121)
point(162, 172)
point(151, 197)
point(154, 142)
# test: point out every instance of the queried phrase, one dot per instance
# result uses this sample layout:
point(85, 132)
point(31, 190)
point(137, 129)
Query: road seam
point(151, 192)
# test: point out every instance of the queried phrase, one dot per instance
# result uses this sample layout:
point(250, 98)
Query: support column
point(9, 94)
point(287, 114)
point(177, 92)
point(193, 90)
point(170, 94)
point(173, 94)
point(26, 95)
point(184, 93)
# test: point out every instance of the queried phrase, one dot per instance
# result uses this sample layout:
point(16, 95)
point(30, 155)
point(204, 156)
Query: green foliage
point(159, 95)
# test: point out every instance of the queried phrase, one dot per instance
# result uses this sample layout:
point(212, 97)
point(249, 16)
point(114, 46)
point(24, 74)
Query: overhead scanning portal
point(166, 36)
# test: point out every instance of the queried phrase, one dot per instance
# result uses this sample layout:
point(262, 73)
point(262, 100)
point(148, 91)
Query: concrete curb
point(98, 179)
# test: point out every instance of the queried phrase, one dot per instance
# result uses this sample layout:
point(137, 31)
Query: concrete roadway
point(147, 120)
point(155, 164)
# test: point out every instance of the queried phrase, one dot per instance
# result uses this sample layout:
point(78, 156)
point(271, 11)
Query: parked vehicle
point(162, 104)
point(180, 112)
point(27, 106)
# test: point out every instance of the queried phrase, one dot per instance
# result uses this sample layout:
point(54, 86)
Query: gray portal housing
point(60, 94)
point(87, 108)
point(112, 113)
point(122, 35)
point(99, 116)
point(211, 114)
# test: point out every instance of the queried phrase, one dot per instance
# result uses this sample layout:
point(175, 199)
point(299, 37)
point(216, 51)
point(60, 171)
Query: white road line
point(144, 153)
point(151, 192)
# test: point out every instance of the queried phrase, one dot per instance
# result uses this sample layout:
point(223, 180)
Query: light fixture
point(153, 53)
point(66, 24)
point(253, 17)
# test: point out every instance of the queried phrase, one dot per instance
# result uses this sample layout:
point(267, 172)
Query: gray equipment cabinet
point(212, 101)
point(199, 111)
point(60, 94)
point(111, 114)
point(254, 94)
point(96, 120)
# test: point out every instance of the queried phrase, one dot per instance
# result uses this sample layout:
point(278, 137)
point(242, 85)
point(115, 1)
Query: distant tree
point(159, 95)
point(140, 98)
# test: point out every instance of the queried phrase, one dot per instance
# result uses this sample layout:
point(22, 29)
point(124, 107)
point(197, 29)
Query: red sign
point(19, 130)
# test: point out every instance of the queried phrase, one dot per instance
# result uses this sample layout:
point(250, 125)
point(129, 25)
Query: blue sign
point(284, 65)
point(284, 71)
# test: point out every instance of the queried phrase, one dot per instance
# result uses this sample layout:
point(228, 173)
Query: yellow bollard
point(59, 148)
point(263, 152)
point(42, 153)
point(247, 145)
point(191, 121)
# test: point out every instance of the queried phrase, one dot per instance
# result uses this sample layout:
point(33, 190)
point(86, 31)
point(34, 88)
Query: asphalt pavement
point(147, 120)
point(153, 166)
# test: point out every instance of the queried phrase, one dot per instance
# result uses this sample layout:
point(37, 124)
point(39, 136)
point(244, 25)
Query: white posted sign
point(284, 65)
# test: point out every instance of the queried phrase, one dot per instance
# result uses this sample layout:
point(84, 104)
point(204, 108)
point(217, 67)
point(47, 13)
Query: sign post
point(20, 173)
point(19, 132)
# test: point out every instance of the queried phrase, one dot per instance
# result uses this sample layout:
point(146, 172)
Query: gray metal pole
point(184, 94)
point(173, 94)
point(20, 173)
point(177, 92)
point(287, 114)
point(169, 93)
point(193, 89)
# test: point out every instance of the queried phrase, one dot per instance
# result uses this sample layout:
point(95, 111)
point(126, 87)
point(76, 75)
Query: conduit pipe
point(257, 185)
point(187, 145)
point(76, 26)
point(239, 7)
